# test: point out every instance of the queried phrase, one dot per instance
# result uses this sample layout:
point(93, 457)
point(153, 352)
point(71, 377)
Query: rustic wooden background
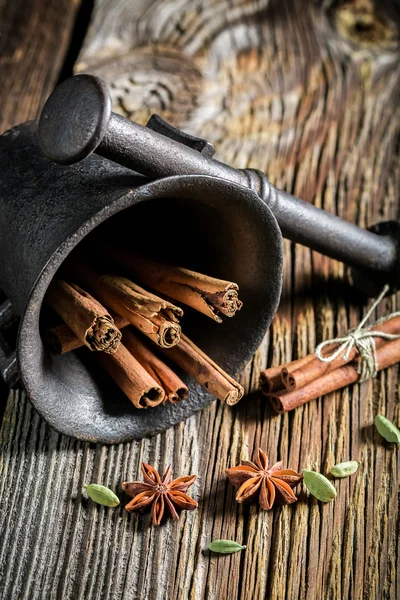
point(308, 92)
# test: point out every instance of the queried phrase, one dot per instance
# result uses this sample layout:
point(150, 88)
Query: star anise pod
point(256, 480)
point(161, 494)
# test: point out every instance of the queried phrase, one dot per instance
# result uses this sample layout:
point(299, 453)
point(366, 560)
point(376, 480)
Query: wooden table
point(306, 91)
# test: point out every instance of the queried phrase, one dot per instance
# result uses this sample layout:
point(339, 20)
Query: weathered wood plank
point(307, 92)
point(34, 38)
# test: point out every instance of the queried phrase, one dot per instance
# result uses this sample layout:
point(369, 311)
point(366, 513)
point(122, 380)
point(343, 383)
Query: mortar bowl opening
point(227, 240)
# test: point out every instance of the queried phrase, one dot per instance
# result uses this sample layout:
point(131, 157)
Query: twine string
point(362, 339)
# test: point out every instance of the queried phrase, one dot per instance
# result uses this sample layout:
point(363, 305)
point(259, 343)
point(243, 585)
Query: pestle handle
point(156, 156)
point(328, 234)
point(77, 120)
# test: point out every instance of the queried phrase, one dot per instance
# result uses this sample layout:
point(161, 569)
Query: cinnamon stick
point(302, 376)
point(175, 389)
point(204, 370)
point(155, 317)
point(136, 383)
point(271, 379)
point(208, 295)
point(62, 339)
point(387, 355)
point(84, 315)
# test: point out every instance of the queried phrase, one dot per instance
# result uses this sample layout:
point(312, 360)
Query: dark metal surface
point(222, 217)
point(156, 123)
point(163, 151)
point(82, 125)
point(47, 209)
point(362, 277)
point(8, 361)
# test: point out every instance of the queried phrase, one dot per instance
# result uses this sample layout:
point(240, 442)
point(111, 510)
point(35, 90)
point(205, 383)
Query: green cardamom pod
point(225, 546)
point(345, 469)
point(319, 486)
point(387, 429)
point(101, 494)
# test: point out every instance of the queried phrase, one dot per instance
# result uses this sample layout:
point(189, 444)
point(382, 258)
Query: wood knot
point(151, 80)
point(249, 60)
point(367, 24)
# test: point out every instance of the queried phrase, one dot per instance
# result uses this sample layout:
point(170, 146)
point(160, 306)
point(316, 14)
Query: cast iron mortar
point(226, 225)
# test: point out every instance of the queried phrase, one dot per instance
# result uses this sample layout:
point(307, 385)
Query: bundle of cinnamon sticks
point(294, 384)
point(94, 307)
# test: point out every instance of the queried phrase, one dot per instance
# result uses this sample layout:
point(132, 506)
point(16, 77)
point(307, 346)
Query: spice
point(62, 339)
point(161, 494)
point(271, 380)
point(206, 294)
point(345, 469)
point(387, 429)
point(154, 316)
point(204, 370)
point(225, 546)
point(136, 383)
point(319, 486)
point(315, 368)
point(87, 318)
point(136, 369)
point(387, 355)
point(256, 480)
point(174, 388)
point(186, 355)
point(101, 494)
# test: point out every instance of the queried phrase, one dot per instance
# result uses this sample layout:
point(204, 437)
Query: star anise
point(161, 494)
point(256, 480)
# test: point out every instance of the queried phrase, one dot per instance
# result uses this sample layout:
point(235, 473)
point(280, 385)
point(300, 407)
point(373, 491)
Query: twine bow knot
point(362, 339)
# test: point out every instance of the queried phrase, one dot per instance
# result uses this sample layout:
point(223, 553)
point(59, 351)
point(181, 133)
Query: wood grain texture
point(34, 37)
point(307, 92)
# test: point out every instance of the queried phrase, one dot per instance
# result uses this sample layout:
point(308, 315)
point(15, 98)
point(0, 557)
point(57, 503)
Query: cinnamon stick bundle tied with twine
point(336, 355)
point(84, 315)
point(208, 295)
point(386, 356)
point(272, 379)
point(357, 356)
